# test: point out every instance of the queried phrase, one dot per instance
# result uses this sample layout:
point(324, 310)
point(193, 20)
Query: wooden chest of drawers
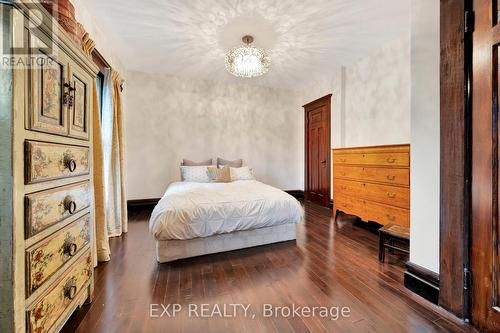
point(373, 183)
point(46, 183)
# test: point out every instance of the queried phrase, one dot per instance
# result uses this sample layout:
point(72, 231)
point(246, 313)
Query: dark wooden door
point(317, 158)
point(485, 263)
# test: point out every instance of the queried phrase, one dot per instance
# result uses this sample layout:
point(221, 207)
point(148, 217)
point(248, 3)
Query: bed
point(194, 219)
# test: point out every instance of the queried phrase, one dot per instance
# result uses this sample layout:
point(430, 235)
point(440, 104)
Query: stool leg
point(336, 214)
point(381, 249)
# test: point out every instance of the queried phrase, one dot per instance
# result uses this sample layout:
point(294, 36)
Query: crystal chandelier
point(247, 60)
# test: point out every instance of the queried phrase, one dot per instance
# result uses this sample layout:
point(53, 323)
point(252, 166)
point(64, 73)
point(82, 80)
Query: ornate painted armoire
point(46, 189)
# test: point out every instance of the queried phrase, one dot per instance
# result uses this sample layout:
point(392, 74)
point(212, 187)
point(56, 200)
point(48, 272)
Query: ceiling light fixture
point(247, 60)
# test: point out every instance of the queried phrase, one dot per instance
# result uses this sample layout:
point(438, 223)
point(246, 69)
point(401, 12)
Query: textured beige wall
point(377, 97)
point(169, 118)
point(425, 134)
point(371, 98)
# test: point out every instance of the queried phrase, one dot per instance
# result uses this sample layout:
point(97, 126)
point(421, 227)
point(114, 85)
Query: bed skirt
point(171, 250)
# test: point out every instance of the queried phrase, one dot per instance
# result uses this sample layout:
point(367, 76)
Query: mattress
point(194, 210)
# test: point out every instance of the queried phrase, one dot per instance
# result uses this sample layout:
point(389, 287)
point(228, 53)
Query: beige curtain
point(101, 244)
point(114, 171)
point(110, 207)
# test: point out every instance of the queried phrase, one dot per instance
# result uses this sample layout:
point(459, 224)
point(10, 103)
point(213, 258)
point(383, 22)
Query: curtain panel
point(101, 244)
point(109, 166)
point(114, 164)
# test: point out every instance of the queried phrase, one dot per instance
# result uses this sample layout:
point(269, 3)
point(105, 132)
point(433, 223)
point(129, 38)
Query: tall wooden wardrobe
point(46, 196)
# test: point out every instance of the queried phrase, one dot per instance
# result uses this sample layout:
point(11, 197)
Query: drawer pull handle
point(70, 290)
point(68, 99)
point(391, 217)
point(391, 177)
point(391, 160)
point(70, 163)
point(391, 194)
point(70, 205)
point(343, 187)
point(70, 249)
point(343, 160)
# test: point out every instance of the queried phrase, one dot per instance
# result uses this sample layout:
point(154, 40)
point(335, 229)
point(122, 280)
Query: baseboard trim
point(422, 282)
point(142, 202)
point(297, 194)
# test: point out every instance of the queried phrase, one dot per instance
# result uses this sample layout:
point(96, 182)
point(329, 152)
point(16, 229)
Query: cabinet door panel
point(79, 106)
point(47, 110)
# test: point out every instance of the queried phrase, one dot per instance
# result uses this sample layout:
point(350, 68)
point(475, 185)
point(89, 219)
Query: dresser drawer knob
point(69, 163)
point(70, 290)
point(390, 160)
point(70, 249)
point(70, 205)
point(391, 194)
point(391, 217)
point(391, 177)
point(343, 160)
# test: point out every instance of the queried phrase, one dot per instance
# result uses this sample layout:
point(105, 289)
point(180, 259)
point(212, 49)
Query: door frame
point(456, 29)
point(319, 101)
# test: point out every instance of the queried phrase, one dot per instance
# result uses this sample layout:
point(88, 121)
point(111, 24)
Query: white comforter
point(192, 210)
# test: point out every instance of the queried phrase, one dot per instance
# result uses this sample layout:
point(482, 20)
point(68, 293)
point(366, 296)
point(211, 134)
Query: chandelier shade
point(247, 61)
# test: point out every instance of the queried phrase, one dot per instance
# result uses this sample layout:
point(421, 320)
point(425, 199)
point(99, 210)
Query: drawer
point(47, 208)
point(393, 176)
point(47, 309)
point(391, 195)
point(371, 211)
point(380, 159)
point(349, 205)
point(384, 214)
point(48, 161)
point(48, 256)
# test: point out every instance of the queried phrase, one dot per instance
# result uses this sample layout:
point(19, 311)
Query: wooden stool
point(388, 234)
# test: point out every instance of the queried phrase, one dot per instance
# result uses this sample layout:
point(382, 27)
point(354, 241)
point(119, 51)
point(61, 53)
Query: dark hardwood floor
point(330, 264)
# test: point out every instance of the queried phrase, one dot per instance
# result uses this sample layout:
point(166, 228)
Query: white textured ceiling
point(304, 39)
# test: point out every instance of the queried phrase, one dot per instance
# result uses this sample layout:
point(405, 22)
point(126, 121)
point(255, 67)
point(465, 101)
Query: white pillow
point(243, 173)
point(196, 174)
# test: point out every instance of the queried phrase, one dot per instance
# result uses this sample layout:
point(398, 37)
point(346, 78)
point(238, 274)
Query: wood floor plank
point(330, 264)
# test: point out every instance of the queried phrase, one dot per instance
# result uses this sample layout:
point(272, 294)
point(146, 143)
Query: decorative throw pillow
point(219, 175)
point(243, 173)
point(233, 164)
point(196, 174)
point(192, 163)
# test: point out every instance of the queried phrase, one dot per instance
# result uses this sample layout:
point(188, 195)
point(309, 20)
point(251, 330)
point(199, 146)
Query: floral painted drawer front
point(48, 256)
point(44, 313)
point(47, 161)
point(46, 208)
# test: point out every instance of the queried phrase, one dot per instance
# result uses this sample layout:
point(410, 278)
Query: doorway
point(470, 252)
point(317, 150)
point(485, 251)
